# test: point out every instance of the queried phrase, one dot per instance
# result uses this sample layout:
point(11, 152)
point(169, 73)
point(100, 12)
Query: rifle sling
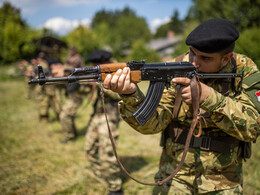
point(195, 93)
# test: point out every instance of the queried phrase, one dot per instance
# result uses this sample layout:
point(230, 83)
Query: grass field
point(32, 160)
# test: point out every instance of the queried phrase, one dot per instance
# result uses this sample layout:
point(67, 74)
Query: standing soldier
point(97, 145)
point(214, 161)
point(54, 92)
point(74, 59)
point(74, 99)
point(40, 91)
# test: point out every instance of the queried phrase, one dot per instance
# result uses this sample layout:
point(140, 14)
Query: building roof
point(164, 46)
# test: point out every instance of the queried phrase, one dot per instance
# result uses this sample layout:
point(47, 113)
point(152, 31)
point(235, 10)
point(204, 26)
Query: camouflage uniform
point(29, 89)
point(203, 171)
point(48, 96)
point(75, 61)
point(73, 101)
point(69, 111)
point(98, 146)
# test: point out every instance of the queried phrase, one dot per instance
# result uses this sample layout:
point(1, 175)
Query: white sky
point(64, 15)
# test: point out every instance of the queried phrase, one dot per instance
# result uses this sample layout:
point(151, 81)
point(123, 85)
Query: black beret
point(41, 55)
point(99, 56)
point(213, 35)
point(54, 61)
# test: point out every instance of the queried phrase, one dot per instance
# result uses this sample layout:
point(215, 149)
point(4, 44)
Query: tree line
point(123, 30)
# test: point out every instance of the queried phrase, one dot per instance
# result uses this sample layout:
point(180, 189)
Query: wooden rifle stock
point(107, 69)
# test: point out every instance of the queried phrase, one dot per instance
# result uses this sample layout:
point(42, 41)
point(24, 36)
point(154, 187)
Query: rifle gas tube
point(159, 75)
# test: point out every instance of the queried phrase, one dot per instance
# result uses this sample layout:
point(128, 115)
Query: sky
point(62, 16)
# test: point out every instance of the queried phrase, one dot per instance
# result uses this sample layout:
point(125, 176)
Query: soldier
point(231, 113)
point(30, 74)
point(74, 99)
point(74, 59)
point(53, 98)
point(50, 96)
point(97, 145)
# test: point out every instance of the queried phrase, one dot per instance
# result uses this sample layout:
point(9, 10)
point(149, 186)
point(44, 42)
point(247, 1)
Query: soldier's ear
point(226, 58)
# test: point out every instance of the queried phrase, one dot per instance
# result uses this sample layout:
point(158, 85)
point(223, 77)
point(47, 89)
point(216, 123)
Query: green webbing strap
point(253, 89)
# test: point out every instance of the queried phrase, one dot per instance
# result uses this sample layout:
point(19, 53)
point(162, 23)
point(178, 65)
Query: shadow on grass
point(89, 185)
point(86, 186)
point(82, 131)
point(132, 164)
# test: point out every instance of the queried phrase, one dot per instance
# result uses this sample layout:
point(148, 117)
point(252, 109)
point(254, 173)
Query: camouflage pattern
point(48, 97)
point(29, 74)
point(73, 101)
point(68, 113)
point(203, 171)
point(98, 146)
point(75, 61)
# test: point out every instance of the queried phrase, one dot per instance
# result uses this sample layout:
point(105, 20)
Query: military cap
point(213, 35)
point(41, 55)
point(99, 56)
point(54, 61)
point(73, 48)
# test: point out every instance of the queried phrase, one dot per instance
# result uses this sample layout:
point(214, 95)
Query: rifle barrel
point(68, 79)
point(218, 75)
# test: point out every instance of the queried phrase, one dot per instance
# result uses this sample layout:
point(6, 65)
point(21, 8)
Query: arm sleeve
point(237, 117)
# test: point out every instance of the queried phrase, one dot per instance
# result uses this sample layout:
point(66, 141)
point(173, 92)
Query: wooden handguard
point(107, 69)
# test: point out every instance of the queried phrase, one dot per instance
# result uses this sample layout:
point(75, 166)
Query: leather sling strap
point(195, 93)
point(177, 103)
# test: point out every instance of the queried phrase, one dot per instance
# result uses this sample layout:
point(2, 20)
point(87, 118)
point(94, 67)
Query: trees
point(245, 14)
point(15, 35)
point(248, 44)
point(120, 29)
point(175, 24)
point(141, 52)
point(84, 39)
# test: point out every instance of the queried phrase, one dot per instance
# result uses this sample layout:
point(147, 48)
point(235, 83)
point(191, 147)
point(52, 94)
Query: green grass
point(32, 161)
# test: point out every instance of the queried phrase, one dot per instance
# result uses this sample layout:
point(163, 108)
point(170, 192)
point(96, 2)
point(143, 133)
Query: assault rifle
point(159, 75)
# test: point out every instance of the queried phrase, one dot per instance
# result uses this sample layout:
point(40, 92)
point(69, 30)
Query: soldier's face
point(206, 62)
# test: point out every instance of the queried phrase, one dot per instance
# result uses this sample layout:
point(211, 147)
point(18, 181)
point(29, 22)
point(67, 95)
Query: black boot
point(118, 192)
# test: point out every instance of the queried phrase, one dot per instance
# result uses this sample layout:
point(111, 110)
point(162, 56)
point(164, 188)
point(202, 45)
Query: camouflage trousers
point(193, 181)
point(181, 188)
point(46, 97)
point(68, 114)
point(100, 153)
point(29, 89)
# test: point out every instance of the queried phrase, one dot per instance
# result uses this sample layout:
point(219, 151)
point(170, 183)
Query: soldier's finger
point(107, 81)
point(186, 96)
point(185, 89)
point(181, 80)
point(122, 79)
point(114, 80)
point(188, 101)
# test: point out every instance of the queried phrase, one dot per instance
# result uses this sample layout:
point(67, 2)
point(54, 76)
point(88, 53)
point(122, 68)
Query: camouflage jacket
point(75, 61)
point(234, 115)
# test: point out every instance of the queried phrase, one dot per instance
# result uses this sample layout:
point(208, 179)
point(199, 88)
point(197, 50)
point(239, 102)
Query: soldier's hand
point(120, 82)
point(186, 90)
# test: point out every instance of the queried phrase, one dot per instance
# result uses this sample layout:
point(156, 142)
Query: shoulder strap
point(178, 99)
point(195, 91)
